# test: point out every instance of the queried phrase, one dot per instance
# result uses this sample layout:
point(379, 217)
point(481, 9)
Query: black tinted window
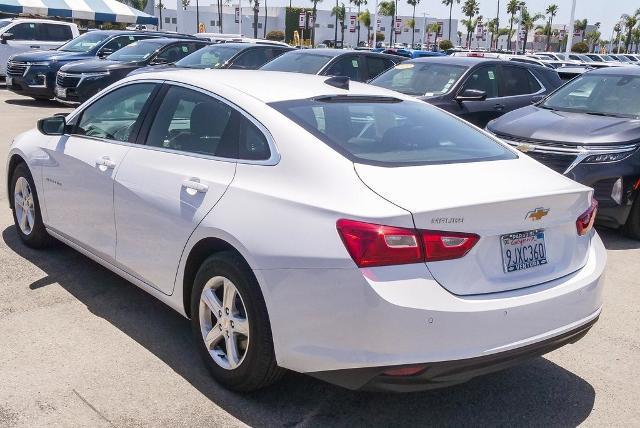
point(54, 32)
point(115, 114)
point(193, 122)
point(377, 65)
point(484, 79)
point(119, 42)
point(253, 143)
point(518, 81)
point(392, 133)
point(298, 62)
point(344, 66)
point(251, 59)
point(177, 52)
point(24, 31)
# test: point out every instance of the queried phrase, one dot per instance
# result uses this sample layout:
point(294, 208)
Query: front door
point(79, 175)
point(480, 112)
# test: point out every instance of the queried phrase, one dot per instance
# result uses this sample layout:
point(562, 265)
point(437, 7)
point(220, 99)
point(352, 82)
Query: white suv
point(20, 35)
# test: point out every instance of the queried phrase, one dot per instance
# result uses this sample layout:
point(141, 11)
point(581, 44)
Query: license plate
point(9, 81)
point(523, 250)
point(61, 92)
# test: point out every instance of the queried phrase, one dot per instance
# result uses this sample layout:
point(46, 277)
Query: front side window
point(251, 59)
point(119, 42)
point(177, 52)
point(136, 51)
point(518, 81)
point(298, 62)
point(483, 79)
point(605, 95)
point(24, 31)
point(115, 115)
point(389, 132)
point(344, 66)
point(420, 78)
point(84, 43)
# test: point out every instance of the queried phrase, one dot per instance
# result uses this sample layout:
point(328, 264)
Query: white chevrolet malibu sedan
point(317, 225)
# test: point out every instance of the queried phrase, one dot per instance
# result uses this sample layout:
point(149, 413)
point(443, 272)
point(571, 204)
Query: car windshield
point(137, 51)
point(390, 132)
point(585, 58)
point(607, 58)
point(603, 95)
point(595, 58)
point(84, 43)
point(210, 57)
point(420, 78)
point(298, 62)
point(4, 22)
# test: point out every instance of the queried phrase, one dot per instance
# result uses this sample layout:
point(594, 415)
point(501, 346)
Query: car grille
point(17, 68)
point(67, 80)
point(557, 162)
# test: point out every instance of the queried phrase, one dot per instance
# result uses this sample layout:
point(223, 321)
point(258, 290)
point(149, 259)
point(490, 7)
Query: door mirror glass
point(55, 125)
point(6, 37)
point(159, 61)
point(472, 95)
point(105, 53)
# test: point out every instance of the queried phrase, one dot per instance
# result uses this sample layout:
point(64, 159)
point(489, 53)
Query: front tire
point(26, 209)
point(231, 326)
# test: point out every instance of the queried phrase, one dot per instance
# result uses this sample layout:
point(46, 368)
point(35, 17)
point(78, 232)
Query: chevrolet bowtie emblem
point(537, 214)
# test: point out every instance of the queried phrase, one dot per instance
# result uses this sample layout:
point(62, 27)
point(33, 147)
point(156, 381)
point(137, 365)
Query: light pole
point(497, 29)
point(240, 17)
point(572, 21)
point(197, 16)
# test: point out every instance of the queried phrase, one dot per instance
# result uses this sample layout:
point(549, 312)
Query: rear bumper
point(447, 373)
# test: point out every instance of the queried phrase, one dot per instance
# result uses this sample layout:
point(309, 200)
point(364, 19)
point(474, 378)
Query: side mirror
point(105, 53)
point(159, 61)
point(471, 95)
point(536, 99)
point(6, 37)
point(55, 125)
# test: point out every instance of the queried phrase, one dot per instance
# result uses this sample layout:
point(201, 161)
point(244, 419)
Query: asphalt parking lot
point(81, 347)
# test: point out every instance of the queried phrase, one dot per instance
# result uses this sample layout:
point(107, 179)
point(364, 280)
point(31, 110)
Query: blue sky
point(605, 11)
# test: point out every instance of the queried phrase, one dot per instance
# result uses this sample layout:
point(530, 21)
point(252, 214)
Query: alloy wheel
point(24, 205)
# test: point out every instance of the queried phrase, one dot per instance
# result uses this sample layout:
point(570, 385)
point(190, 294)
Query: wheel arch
point(14, 161)
point(203, 249)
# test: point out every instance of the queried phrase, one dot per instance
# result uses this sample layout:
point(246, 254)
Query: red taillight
point(377, 245)
point(447, 245)
point(585, 222)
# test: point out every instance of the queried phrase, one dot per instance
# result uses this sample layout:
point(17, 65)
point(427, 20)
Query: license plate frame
point(523, 250)
point(61, 92)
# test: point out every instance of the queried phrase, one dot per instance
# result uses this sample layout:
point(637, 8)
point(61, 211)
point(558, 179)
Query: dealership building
point(184, 20)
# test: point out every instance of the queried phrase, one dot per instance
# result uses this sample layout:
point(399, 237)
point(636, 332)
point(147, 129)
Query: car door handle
point(499, 107)
point(105, 163)
point(34, 47)
point(194, 186)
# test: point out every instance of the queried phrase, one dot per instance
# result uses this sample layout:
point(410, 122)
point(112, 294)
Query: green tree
point(459, 33)
point(434, 28)
point(358, 4)
point(580, 47)
point(630, 21)
point(552, 11)
point(512, 9)
point(445, 45)
point(450, 4)
point(413, 3)
point(492, 27)
point(365, 19)
point(581, 25)
point(276, 35)
point(470, 9)
point(388, 8)
point(340, 12)
point(528, 23)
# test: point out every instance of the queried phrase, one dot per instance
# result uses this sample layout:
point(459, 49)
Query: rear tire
point(632, 227)
point(26, 209)
point(233, 334)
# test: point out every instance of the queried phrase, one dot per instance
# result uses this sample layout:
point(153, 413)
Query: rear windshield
point(420, 78)
point(209, 57)
point(390, 132)
point(84, 43)
point(298, 62)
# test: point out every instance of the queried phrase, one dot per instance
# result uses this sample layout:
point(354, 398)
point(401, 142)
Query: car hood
point(52, 55)
point(97, 65)
point(539, 124)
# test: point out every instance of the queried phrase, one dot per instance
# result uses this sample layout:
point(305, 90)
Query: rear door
point(51, 36)
point(517, 87)
point(376, 65)
point(172, 179)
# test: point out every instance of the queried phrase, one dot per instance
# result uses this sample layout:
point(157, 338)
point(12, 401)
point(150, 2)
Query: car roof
point(458, 60)
point(162, 41)
point(283, 86)
point(244, 45)
point(630, 70)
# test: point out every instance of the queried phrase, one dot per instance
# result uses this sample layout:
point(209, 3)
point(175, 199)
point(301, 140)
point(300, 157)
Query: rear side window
point(54, 32)
point(178, 51)
point(390, 132)
point(377, 65)
point(251, 59)
point(518, 81)
point(24, 31)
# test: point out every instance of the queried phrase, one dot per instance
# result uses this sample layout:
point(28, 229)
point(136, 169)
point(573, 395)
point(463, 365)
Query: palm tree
point(592, 39)
point(160, 6)
point(314, 13)
point(492, 27)
point(528, 23)
point(264, 27)
point(358, 4)
point(365, 19)
point(470, 8)
point(450, 4)
point(459, 33)
point(388, 8)
point(512, 9)
point(581, 25)
point(551, 12)
point(256, 11)
point(340, 12)
point(636, 38)
point(434, 28)
point(413, 3)
point(630, 21)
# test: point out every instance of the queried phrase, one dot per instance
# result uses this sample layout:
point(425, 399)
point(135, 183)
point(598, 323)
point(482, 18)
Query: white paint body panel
point(325, 313)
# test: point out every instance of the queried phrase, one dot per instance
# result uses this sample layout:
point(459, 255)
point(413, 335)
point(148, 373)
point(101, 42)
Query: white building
point(184, 21)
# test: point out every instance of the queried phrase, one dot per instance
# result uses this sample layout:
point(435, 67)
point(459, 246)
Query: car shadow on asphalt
point(614, 240)
point(536, 393)
point(30, 102)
